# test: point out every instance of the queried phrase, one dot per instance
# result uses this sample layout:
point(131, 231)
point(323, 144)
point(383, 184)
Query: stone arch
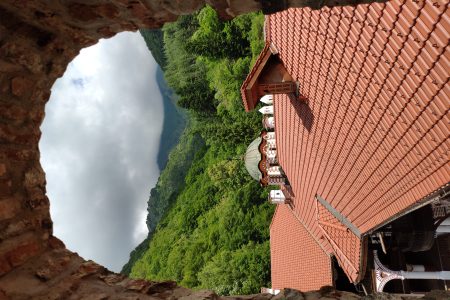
point(38, 38)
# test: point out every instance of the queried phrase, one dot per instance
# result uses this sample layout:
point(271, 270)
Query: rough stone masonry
point(38, 38)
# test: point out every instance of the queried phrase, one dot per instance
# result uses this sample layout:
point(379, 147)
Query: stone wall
point(38, 38)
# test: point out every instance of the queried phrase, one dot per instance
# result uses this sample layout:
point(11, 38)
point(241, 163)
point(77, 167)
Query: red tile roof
point(373, 139)
point(346, 245)
point(303, 267)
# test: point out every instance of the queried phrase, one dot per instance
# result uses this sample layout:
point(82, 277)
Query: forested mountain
point(174, 116)
point(174, 121)
point(166, 191)
point(155, 43)
point(209, 219)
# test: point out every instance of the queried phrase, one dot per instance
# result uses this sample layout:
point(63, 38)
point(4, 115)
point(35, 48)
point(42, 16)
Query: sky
point(99, 146)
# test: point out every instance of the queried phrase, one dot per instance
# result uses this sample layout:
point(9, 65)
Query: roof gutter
point(339, 216)
point(430, 198)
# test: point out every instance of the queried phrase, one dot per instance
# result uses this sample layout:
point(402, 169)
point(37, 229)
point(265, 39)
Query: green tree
point(209, 219)
point(216, 39)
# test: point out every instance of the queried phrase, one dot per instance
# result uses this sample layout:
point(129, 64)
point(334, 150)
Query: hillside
point(212, 219)
point(167, 189)
point(174, 121)
point(155, 43)
point(174, 116)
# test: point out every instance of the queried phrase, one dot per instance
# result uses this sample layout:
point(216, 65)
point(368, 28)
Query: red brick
point(22, 253)
point(5, 267)
point(2, 170)
point(20, 86)
point(55, 243)
point(9, 207)
point(304, 267)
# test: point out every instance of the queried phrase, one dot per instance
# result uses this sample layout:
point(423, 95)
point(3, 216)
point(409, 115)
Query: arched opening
point(99, 148)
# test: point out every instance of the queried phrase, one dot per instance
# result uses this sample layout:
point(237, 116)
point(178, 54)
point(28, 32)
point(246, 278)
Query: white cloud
point(99, 147)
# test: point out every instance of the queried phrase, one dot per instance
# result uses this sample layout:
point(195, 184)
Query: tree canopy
point(209, 220)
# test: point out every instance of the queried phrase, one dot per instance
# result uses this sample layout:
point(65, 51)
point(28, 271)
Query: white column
point(384, 274)
point(276, 181)
point(443, 229)
point(271, 143)
point(271, 153)
point(415, 268)
point(274, 171)
point(266, 110)
point(267, 99)
point(271, 156)
point(272, 160)
point(277, 197)
point(439, 275)
point(269, 122)
point(270, 135)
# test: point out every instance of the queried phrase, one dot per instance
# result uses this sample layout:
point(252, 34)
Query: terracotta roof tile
point(304, 267)
point(373, 139)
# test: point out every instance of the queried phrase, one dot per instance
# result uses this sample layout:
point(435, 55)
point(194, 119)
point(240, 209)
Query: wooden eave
point(247, 89)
